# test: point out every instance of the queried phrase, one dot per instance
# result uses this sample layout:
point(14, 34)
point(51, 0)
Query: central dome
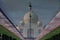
point(34, 17)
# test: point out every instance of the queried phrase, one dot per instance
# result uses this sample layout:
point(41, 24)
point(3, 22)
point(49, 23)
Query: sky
point(16, 9)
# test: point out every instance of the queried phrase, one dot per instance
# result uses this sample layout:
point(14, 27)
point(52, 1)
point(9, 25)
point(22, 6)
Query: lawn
point(7, 32)
point(52, 33)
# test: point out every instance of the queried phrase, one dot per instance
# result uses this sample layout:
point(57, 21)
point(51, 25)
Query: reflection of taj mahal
point(30, 26)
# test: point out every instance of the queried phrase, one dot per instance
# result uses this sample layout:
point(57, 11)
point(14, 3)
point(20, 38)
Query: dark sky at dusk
point(45, 9)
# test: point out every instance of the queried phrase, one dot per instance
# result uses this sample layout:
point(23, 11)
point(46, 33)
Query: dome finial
point(30, 6)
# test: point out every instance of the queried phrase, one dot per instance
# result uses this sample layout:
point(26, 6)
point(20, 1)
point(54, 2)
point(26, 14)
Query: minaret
point(30, 6)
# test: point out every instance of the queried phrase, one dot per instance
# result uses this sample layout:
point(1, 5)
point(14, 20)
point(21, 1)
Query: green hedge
point(52, 33)
point(7, 32)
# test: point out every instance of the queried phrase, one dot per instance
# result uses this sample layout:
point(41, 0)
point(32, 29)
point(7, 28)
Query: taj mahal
point(30, 26)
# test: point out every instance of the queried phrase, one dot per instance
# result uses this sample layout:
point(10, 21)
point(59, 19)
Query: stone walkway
point(9, 26)
point(54, 23)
